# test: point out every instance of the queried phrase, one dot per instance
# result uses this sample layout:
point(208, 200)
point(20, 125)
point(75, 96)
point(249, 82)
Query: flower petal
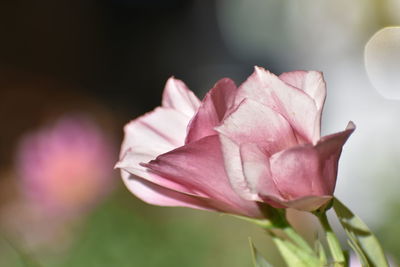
point(199, 166)
point(212, 110)
point(234, 169)
point(297, 173)
point(309, 170)
point(311, 82)
point(159, 131)
point(154, 194)
point(329, 149)
point(251, 122)
point(308, 203)
point(177, 96)
point(257, 171)
point(131, 161)
point(295, 105)
point(148, 136)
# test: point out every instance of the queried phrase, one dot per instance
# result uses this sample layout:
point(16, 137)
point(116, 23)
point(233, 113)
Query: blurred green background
point(123, 231)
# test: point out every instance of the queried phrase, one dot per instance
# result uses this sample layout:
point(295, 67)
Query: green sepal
point(293, 255)
point(258, 259)
point(356, 248)
point(320, 251)
point(361, 239)
point(263, 223)
point(273, 218)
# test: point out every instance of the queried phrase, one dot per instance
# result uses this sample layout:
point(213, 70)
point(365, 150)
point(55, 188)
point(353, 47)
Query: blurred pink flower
point(65, 168)
point(259, 143)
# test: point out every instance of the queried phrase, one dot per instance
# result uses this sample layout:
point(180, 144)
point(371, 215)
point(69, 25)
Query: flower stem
point(279, 221)
point(333, 242)
point(297, 239)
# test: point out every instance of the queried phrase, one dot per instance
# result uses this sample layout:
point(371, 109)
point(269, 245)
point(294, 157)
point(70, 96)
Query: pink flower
point(65, 167)
point(239, 147)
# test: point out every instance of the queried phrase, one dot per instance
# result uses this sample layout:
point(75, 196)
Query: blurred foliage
point(126, 232)
point(389, 233)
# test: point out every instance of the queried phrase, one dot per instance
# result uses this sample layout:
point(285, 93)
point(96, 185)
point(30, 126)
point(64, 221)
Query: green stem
point(293, 254)
point(278, 221)
point(297, 239)
point(333, 242)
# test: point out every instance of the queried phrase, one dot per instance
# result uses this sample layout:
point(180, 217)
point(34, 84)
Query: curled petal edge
point(307, 203)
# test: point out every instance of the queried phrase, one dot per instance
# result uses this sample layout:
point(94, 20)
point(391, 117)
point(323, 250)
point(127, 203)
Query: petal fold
point(256, 123)
point(155, 194)
point(160, 130)
point(212, 110)
point(177, 96)
point(148, 136)
point(330, 148)
point(308, 203)
point(311, 82)
point(309, 170)
point(199, 167)
point(131, 163)
point(253, 122)
point(257, 171)
point(296, 106)
point(297, 173)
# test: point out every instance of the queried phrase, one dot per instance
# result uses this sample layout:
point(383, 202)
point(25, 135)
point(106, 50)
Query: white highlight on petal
point(382, 61)
point(178, 96)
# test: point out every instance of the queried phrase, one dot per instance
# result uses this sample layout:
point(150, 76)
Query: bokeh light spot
point(382, 61)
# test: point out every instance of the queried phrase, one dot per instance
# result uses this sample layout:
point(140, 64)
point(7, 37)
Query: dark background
point(61, 55)
point(110, 60)
point(119, 51)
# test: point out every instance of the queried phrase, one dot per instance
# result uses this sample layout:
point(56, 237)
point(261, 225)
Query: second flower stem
point(333, 242)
